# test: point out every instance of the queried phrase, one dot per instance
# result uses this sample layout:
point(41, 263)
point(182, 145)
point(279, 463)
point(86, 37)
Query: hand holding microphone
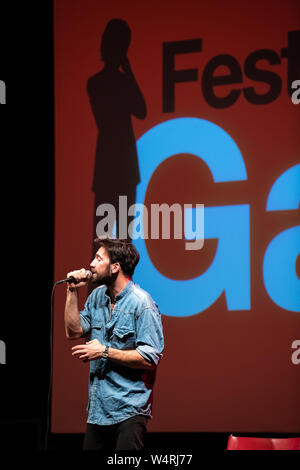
point(77, 279)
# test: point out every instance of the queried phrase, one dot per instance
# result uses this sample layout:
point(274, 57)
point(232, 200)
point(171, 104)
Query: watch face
point(105, 352)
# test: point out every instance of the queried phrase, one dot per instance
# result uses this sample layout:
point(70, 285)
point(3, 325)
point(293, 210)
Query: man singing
point(124, 348)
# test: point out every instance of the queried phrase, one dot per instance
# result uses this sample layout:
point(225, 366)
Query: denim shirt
point(117, 392)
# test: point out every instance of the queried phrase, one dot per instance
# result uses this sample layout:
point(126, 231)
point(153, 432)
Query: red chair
point(262, 443)
point(291, 443)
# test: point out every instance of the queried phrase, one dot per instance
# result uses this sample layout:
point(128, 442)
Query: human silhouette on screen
point(115, 96)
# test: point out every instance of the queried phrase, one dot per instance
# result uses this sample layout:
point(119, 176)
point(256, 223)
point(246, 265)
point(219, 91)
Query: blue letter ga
point(230, 269)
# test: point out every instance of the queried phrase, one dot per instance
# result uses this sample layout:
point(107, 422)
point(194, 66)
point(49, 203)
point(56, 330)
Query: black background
point(27, 164)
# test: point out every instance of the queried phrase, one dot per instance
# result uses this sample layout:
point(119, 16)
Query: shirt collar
point(123, 291)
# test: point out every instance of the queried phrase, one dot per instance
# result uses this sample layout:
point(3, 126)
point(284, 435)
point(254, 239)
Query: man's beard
point(106, 278)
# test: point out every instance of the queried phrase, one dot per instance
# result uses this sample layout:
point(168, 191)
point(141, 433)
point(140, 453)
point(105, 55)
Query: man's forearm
point(94, 350)
point(72, 316)
point(131, 358)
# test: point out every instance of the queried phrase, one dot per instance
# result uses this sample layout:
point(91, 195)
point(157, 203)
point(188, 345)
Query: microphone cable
point(49, 395)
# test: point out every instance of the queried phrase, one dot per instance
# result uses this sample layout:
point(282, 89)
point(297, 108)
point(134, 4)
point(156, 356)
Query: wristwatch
point(105, 352)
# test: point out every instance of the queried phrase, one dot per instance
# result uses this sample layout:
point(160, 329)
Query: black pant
point(127, 435)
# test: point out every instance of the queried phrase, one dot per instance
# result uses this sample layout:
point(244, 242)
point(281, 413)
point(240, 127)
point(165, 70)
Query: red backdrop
point(222, 370)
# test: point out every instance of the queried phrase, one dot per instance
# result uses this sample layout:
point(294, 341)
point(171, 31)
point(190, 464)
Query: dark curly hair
point(120, 251)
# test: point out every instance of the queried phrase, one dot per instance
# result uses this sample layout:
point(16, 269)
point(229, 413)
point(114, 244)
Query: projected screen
point(193, 151)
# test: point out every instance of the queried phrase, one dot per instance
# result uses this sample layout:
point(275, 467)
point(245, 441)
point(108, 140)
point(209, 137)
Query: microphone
point(72, 279)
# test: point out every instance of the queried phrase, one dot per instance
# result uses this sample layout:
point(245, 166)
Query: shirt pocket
point(96, 329)
point(123, 338)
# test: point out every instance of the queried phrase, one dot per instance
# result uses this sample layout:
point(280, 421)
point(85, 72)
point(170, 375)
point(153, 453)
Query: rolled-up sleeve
point(150, 339)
